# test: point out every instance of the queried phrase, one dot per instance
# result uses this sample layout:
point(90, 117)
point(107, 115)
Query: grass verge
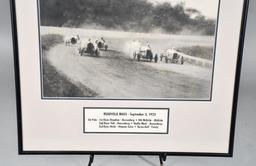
point(198, 51)
point(55, 83)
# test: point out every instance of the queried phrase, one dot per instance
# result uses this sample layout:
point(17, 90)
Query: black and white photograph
point(127, 49)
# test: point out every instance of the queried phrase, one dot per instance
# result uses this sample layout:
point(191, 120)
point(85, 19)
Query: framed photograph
point(127, 76)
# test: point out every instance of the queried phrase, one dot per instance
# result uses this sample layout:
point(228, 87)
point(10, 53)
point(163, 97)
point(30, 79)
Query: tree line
point(127, 15)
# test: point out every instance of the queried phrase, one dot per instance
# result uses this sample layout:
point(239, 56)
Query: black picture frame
point(21, 151)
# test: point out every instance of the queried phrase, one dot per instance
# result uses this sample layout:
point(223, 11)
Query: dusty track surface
point(114, 75)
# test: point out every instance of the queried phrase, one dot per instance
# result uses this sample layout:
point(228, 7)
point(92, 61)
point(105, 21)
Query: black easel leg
point(161, 161)
point(91, 159)
point(162, 158)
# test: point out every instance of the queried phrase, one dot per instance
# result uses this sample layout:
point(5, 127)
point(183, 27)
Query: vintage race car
point(90, 49)
point(72, 40)
point(172, 56)
point(102, 44)
point(145, 54)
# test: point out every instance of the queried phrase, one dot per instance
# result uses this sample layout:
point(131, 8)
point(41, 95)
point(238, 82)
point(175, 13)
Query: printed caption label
point(128, 120)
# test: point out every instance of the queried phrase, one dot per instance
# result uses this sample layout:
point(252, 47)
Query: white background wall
point(245, 144)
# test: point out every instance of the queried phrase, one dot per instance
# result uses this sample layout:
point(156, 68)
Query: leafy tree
point(129, 15)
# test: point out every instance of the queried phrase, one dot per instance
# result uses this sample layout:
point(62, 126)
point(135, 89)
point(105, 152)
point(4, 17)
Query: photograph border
point(127, 99)
point(21, 151)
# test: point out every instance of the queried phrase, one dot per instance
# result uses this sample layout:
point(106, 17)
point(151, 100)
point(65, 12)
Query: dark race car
point(90, 49)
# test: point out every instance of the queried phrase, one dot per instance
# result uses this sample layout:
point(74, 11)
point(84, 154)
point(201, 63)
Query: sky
point(209, 8)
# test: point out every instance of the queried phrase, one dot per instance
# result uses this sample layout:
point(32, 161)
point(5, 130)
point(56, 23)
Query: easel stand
point(91, 159)
point(162, 158)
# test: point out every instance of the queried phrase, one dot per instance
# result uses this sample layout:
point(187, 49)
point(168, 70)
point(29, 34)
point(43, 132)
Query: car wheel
point(156, 59)
point(97, 52)
point(134, 56)
point(182, 61)
point(151, 58)
point(161, 57)
point(80, 51)
point(138, 58)
point(166, 60)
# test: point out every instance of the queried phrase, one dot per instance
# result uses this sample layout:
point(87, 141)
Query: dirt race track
point(114, 75)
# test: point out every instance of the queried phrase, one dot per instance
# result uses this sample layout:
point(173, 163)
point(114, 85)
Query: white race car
point(72, 40)
point(172, 56)
point(101, 43)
